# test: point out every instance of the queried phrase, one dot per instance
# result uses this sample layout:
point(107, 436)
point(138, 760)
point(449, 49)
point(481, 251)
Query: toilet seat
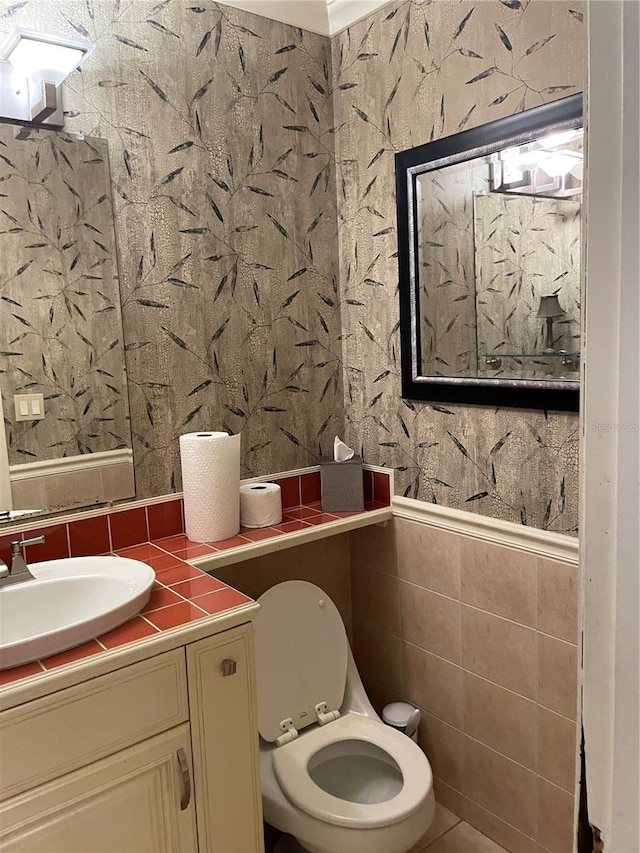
point(295, 677)
point(291, 762)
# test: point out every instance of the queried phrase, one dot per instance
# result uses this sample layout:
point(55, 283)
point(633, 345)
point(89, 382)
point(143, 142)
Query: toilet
point(333, 775)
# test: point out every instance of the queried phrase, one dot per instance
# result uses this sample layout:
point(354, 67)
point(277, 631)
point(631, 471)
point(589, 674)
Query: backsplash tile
point(128, 527)
point(165, 519)
point(289, 491)
point(89, 536)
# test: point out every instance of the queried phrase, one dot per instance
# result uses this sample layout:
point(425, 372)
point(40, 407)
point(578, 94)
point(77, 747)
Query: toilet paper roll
point(210, 483)
point(260, 505)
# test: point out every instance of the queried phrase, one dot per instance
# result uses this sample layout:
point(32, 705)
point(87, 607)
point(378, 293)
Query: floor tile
point(443, 821)
point(464, 839)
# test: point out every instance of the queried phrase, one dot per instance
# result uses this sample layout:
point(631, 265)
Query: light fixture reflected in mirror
point(32, 68)
point(551, 167)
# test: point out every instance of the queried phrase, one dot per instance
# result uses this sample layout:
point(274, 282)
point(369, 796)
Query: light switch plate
point(29, 407)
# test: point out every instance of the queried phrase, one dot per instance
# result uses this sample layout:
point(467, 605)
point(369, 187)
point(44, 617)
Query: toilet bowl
point(333, 775)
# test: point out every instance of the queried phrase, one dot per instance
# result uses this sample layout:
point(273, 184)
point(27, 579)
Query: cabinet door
point(224, 733)
point(127, 803)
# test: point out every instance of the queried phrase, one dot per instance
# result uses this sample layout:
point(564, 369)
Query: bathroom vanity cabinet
point(159, 754)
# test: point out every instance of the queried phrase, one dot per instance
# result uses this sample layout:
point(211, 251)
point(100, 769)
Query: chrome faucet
point(19, 571)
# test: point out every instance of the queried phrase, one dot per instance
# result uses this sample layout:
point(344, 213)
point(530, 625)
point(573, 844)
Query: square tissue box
point(341, 482)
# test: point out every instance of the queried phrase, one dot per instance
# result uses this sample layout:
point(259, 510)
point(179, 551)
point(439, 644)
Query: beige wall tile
point(499, 650)
point(29, 494)
point(375, 548)
point(430, 621)
point(379, 695)
point(555, 818)
point(444, 747)
point(378, 655)
point(335, 579)
point(376, 598)
point(557, 675)
point(324, 563)
point(501, 832)
point(500, 580)
point(558, 599)
point(501, 719)
point(449, 797)
point(501, 786)
point(75, 489)
point(428, 557)
point(557, 749)
point(432, 683)
point(118, 481)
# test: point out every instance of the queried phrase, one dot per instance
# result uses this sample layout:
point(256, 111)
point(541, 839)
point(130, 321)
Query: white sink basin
point(69, 602)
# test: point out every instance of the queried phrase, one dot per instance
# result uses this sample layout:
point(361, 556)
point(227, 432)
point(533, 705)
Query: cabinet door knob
point(186, 779)
point(229, 667)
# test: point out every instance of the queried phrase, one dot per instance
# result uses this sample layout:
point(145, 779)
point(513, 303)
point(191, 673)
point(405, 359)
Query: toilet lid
point(301, 656)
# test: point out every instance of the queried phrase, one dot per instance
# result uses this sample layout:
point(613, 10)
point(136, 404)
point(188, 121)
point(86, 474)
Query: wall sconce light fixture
point(32, 68)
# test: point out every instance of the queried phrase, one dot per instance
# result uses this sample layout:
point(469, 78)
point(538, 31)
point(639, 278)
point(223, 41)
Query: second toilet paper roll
point(260, 505)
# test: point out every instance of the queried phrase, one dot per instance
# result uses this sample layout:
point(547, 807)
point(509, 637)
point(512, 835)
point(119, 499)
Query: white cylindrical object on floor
point(210, 483)
point(404, 717)
point(260, 505)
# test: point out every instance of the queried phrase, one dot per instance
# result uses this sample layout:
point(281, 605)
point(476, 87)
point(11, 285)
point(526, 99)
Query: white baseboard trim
point(68, 464)
point(543, 543)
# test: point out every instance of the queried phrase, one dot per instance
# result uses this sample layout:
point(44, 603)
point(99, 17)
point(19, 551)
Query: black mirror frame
point(518, 393)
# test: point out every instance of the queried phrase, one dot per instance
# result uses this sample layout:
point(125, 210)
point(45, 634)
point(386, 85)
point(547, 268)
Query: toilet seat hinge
point(325, 716)
point(289, 732)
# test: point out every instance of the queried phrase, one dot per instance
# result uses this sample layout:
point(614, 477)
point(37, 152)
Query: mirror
point(489, 249)
point(62, 369)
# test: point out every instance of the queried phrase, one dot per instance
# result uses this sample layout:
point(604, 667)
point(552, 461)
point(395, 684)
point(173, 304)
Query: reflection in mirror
point(62, 371)
point(489, 225)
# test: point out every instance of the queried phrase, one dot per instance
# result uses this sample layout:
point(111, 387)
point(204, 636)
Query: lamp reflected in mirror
point(550, 310)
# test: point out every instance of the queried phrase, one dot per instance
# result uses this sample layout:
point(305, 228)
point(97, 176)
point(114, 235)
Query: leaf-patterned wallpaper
point(527, 248)
point(236, 144)
point(447, 275)
point(61, 332)
point(219, 125)
point(410, 73)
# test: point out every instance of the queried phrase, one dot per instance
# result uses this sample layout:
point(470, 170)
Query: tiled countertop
point(184, 593)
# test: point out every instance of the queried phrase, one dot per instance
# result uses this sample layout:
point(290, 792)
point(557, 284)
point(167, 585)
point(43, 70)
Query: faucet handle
point(17, 544)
